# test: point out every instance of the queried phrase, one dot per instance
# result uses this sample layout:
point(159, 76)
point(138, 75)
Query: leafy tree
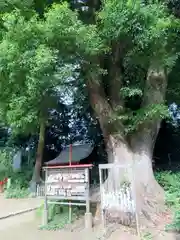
point(30, 75)
point(3, 136)
point(122, 50)
point(126, 55)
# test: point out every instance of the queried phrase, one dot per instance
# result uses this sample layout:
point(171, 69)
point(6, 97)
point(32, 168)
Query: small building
point(76, 153)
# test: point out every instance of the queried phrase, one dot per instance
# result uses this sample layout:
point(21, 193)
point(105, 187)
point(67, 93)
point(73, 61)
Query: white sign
point(67, 184)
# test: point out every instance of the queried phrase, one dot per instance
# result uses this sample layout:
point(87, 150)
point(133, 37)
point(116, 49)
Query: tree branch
point(155, 86)
point(99, 103)
point(154, 93)
point(115, 76)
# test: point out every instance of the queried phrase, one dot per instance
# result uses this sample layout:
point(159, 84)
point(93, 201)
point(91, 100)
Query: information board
point(67, 184)
point(70, 185)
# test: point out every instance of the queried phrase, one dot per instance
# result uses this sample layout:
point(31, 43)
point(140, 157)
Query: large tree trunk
point(136, 151)
point(137, 173)
point(39, 157)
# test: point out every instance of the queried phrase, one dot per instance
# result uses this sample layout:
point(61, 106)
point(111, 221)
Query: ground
point(24, 225)
point(18, 226)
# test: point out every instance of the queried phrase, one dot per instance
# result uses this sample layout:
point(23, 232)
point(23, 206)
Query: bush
point(171, 183)
point(16, 192)
point(175, 226)
point(58, 216)
point(169, 180)
point(21, 179)
point(5, 162)
point(19, 187)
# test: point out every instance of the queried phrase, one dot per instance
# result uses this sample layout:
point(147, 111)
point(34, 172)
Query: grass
point(58, 216)
point(171, 183)
point(147, 236)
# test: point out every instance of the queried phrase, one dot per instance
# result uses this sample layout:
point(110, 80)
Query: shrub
point(58, 216)
point(5, 162)
point(16, 192)
point(171, 183)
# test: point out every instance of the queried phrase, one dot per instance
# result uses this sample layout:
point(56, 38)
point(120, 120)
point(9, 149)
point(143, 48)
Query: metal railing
point(40, 192)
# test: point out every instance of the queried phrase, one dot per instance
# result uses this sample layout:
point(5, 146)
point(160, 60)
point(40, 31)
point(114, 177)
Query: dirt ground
point(12, 206)
point(26, 226)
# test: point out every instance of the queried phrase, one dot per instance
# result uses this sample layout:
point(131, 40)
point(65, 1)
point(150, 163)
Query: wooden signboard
point(67, 184)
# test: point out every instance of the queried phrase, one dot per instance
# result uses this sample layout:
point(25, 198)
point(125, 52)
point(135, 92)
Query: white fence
point(118, 195)
point(40, 192)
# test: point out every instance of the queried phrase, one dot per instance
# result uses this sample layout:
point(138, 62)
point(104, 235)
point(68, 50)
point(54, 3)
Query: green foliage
point(174, 84)
point(34, 62)
point(16, 192)
point(19, 180)
point(68, 34)
point(147, 236)
point(133, 120)
point(38, 55)
point(171, 183)
point(30, 70)
point(25, 6)
point(148, 35)
point(175, 226)
point(19, 187)
point(58, 216)
point(146, 115)
point(130, 92)
point(145, 28)
point(5, 163)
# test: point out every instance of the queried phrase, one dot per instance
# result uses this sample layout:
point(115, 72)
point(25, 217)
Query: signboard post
point(67, 185)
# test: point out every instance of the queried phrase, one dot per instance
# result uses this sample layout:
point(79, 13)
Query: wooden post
point(87, 191)
point(70, 162)
point(102, 192)
point(88, 214)
point(45, 217)
point(70, 155)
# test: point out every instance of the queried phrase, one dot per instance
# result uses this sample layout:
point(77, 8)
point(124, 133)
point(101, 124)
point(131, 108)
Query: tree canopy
point(36, 54)
point(120, 55)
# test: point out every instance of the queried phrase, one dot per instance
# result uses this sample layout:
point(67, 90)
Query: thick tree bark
point(138, 174)
point(139, 150)
point(116, 76)
point(39, 156)
point(143, 141)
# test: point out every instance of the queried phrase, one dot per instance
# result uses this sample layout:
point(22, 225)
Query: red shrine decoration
point(2, 183)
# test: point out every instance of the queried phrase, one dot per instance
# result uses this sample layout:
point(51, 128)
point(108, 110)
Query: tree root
point(150, 205)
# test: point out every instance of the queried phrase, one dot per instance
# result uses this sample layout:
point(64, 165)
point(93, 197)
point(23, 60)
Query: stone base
point(88, 221)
